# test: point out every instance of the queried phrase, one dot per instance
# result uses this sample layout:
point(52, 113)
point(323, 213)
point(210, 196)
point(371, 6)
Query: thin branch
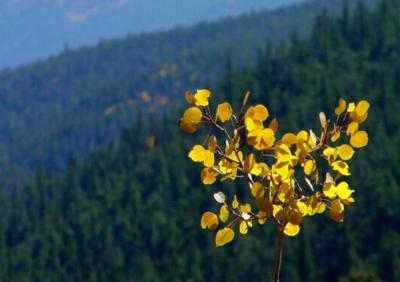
point(278, 255)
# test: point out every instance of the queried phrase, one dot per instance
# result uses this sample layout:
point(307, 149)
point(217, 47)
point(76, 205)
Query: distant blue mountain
point(33, 29)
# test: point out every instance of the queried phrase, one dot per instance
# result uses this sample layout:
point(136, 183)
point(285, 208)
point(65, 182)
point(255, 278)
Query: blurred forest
point(132, 211)
point(80, 99)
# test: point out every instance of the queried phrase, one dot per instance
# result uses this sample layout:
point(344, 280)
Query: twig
point(278, 255)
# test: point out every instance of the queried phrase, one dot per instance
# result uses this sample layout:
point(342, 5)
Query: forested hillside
point(131, 212)
point(32, 29)
point(69, 104)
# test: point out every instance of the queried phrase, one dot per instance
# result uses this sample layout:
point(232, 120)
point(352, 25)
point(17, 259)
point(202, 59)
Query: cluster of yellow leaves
point(286, 176)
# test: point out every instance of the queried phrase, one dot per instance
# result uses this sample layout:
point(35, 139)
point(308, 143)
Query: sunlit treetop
point(289, 176)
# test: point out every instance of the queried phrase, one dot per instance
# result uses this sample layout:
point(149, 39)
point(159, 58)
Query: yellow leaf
point(348, 201)
point(360, 119)
point(193, 114)
point(351, 107)
point(234, 157)
point(197, 154)
point(338, 217)
point(190, 98)
point(246, 208)
point(352, 128)
point(343, 191)
point(261, 169)
point(249, 223)
point(282, 151)
point(295, 217)
point(314, 205)
point(262, 217)
point(261, 139)
point(209, 220)
point(302, 135)
point(345, 152)
point(202, 96)
point(224, 111)
point(330, 153)
point(208, 175)
point(208, 159)
point(257, 190)
point(235, 203)
point(341, 107)
point(212, 143)
point(313, 139)
point(224, 236)
point(264, 205)
point(249, 123)
point(231, 175)
point(329, 190)
point(301, 207)
point(277, 211)
point(309, 167)
point(282, 169)
point(289, 139)
point(223, 213)
point(249, 163)
point(359, 139)
point(291, 229)
point(337, 206)
point(274, 125)
point(362, 108)
point(341, 167)
point(257, 169)
point(243, 228)
point(320, 207)
point(190, 120)
point(260, 113)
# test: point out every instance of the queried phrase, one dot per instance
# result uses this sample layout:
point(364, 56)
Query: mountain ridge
point(36, 29)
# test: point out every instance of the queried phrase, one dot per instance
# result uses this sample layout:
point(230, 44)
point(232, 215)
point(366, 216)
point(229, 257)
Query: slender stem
point(278, 255)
